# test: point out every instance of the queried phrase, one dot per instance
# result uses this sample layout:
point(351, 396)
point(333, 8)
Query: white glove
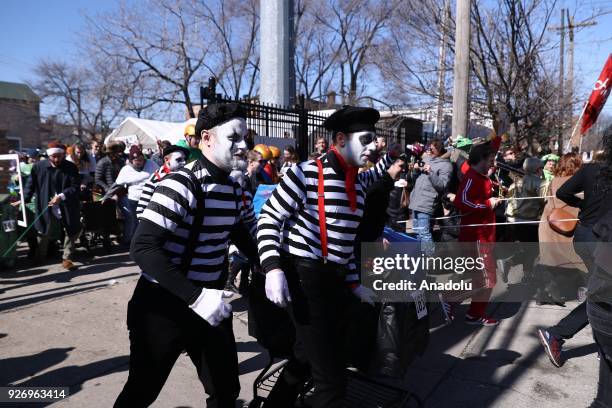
point(277, 290)
point(211, 307)
point(365, 294)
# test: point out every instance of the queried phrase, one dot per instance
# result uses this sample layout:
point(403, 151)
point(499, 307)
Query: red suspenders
point(322, 221)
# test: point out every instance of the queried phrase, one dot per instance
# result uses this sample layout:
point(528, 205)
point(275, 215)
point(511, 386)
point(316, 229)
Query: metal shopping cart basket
point(362, 391)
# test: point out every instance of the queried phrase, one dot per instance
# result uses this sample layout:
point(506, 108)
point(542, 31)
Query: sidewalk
point(68, 329)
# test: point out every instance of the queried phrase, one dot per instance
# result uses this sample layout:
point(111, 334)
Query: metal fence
point(283, 122)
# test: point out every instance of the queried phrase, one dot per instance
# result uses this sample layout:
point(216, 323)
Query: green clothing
point(463, 143)
point(548, 176)
point(194, 152)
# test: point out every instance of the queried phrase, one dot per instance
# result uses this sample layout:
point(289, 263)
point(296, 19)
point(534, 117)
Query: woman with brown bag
point(582, 181)
point(556, 250)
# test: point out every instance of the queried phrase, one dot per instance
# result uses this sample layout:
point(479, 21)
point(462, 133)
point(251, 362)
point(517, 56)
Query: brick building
point(19, 115)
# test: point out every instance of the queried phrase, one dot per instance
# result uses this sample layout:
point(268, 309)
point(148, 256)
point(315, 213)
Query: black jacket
point(45, 182)
point(583, 182)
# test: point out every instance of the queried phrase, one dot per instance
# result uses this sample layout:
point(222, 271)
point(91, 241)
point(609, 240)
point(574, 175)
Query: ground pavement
point(61, 328)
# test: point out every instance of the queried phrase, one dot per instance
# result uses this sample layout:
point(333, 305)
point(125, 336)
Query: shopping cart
point(362, 391)
point(99, 220)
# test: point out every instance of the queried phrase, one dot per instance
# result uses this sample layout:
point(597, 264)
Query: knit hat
point(463, 142)
point(55, 147)
point(135, 151)
point(550, 157)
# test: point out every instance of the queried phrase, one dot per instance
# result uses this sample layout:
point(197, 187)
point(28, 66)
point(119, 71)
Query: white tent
point(147, 132)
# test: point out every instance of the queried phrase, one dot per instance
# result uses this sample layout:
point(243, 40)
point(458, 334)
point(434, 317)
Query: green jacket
point(194, 152)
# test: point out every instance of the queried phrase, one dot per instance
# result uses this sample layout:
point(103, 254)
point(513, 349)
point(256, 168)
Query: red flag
point(598, 98)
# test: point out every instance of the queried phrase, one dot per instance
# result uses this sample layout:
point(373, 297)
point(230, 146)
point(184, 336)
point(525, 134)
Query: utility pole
point(292, 42)
point(461, 69)
point(565, 101)
point(274, 51)
point(79, 123)
point(570, 66)
point(442, 68)
point(561, 100)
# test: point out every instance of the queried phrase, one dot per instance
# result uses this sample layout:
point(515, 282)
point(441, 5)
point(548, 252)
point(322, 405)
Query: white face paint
point(175, 161)
point(229, 143)
point(359, 146)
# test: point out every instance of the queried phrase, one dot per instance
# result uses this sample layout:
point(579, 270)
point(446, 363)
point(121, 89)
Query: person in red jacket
point(476, 204)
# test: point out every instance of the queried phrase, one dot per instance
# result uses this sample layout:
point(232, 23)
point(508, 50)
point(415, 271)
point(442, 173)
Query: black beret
point(352, 119)
point(175, 148)
point(217, 113)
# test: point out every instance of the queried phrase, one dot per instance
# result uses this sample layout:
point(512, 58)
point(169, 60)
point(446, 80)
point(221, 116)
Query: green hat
point(462, 142)
point(550, 157)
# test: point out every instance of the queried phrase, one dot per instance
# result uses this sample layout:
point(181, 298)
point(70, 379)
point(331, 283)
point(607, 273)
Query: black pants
point(161, 326)
point(571, 324)
point(527, 235)
point(319, 306)
point(600, 317)
point(584, 244)
point(577, 319)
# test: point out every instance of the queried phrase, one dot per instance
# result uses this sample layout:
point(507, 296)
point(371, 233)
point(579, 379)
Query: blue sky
point(34, 29)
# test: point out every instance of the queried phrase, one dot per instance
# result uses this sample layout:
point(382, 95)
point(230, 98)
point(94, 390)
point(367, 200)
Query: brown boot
point(67, 264)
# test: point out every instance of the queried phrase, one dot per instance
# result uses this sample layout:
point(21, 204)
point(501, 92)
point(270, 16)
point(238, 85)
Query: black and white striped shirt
point(148, 188)
point(290, 218)
point(172, 208)
point(249, 216)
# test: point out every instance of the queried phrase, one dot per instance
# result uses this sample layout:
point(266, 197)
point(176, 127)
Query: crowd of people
point(188, 218)
point(121, 180)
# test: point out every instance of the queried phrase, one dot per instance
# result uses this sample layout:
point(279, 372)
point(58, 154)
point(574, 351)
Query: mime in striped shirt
point(181, 244)
point(174, 158)
point(306, 233)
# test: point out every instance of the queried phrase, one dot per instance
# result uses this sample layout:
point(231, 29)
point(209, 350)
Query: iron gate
point(282, 122)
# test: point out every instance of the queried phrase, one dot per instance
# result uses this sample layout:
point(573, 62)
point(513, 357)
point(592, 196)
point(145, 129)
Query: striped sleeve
point(288, 196)
point(248, 213)
point(352, 276)
point(147, 193)
point(172, 199)
point(471, 198)
point(367, 178)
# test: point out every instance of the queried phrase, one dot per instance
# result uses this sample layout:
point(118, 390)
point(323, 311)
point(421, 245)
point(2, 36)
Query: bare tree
point(160, 42)
point(511, 67)
point(234, 29)
point(90, 92)
point(317, 50)
point(408, 58)
point(508, 62)
point(359, 25)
